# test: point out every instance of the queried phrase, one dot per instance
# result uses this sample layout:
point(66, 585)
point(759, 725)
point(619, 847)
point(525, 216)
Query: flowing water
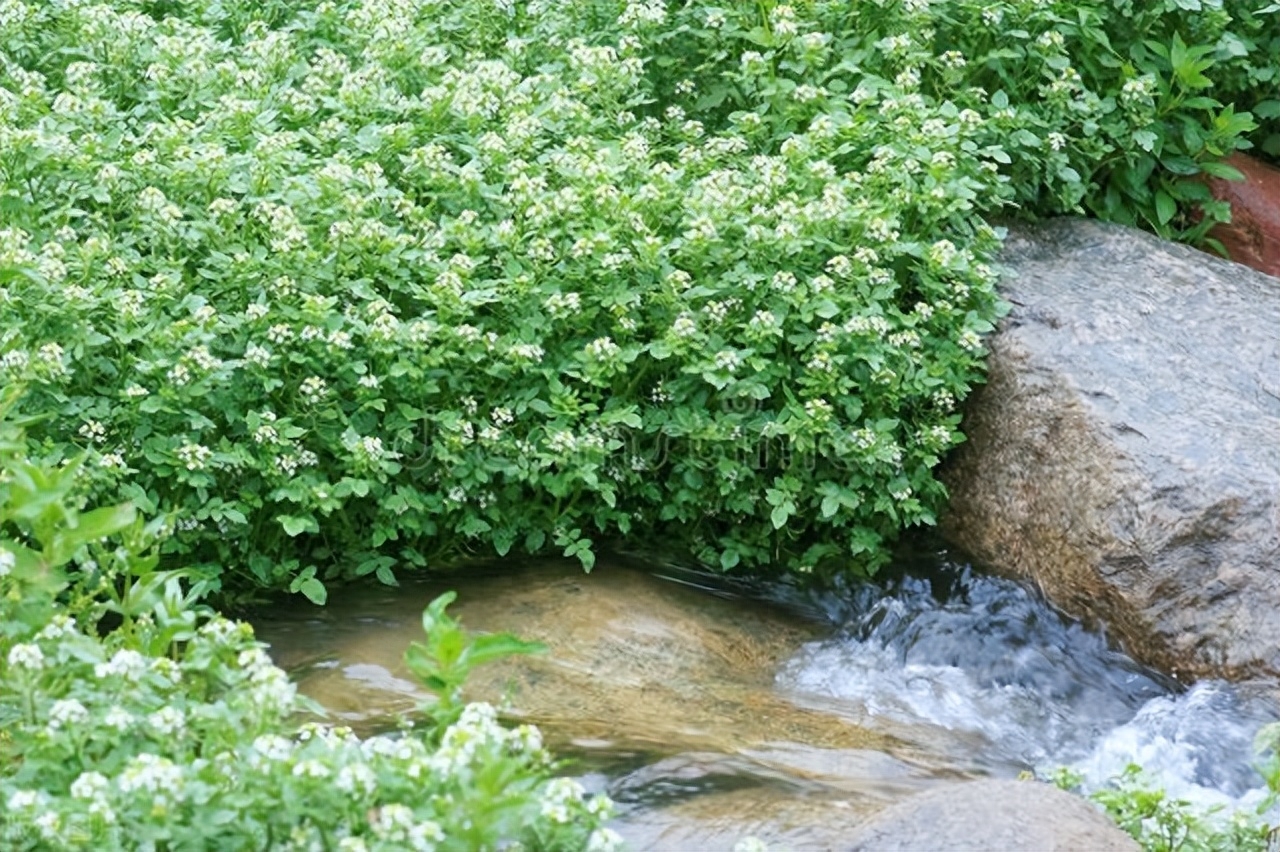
point(712, 710)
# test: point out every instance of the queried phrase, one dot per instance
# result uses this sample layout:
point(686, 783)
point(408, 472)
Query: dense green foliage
point(1107, 106)
point(362, 284)
point(173, 730)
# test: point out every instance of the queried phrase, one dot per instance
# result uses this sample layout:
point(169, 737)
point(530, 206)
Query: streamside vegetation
point(365, 286)
point(348, 288)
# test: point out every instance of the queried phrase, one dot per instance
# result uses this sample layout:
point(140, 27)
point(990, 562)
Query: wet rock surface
point(981, 816)
point(1125, 453)
point(633, 660)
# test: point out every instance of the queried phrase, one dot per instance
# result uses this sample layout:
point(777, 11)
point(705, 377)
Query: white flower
point(563, 304)
point(15, 360)
point(265, 434)
point(684, 326)
point(606, 840)
point(167, 721)
point(222, 206)
point(259, 355)
point(194, 456)
point(119, 719)
point(7, 562)
point(311, 769)
point(152, 774)
point(111, 461)
point(92, 430)
point(65, 713)
point(526, 739)
point(784, 282)
point(273, 747)
point(370, 449)
point(26, 656)
point(125, 663)
point(89, 785)
point(59, 627)
point(727, 360)
point(356, 778)
point(313, 389)
point(48, 823)
point(559, 796)
point(22, 800)
point(51, 355)
point(602, 349)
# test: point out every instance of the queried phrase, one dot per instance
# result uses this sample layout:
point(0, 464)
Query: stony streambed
point(710, 712)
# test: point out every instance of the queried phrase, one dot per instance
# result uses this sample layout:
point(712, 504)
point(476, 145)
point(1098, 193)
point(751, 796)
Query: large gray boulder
point(1125, 452)
point(982, 816)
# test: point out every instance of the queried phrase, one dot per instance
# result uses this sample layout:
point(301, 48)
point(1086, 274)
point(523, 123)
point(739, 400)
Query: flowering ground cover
point(133, 717)
point(354, 286)
point(338, 288)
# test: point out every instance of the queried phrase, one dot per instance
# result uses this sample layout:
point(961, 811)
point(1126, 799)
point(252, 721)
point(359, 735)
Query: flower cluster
point(657, 270)
point(103, 750)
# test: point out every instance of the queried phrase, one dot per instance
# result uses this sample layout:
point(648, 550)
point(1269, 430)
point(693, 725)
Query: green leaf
point(1166, 207)
point(1221, 170)
point(297, 525)
point(314, 591)
point(1146, 140)
point(495, 646)
point(100, 523)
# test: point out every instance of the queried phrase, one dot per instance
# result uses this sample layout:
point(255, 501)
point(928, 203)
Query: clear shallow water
point(724, 709)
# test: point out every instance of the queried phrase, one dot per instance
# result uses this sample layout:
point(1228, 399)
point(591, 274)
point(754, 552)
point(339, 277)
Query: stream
point(710, 709)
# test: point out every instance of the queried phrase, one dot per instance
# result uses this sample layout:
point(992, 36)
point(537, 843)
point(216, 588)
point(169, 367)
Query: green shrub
point(377, 283)
point(173, 731)
point(1109, 106)
point(384, 282)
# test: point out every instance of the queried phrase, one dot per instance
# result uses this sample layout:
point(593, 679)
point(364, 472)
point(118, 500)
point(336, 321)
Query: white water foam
point(994, 661)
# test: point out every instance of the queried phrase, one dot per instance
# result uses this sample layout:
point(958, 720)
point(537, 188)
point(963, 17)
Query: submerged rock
point(1125, 452)
point(980, 816)
point(675, 682)
point(634, 661)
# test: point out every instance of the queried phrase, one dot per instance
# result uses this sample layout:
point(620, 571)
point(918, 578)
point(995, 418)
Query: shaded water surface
point(711, 710)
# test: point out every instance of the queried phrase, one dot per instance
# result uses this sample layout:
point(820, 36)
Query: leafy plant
point(175, 731)
point(445, 660)
point(364, 285)
point(1161, 823)
point(394, 287)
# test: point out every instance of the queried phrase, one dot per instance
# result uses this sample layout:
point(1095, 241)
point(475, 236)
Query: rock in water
point(1125, 452)
point(980, 816)
point(632, 658)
